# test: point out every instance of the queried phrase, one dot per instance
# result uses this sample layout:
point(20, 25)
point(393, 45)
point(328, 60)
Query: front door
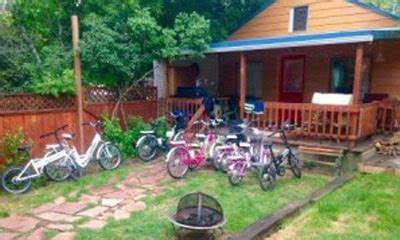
point(292, 79)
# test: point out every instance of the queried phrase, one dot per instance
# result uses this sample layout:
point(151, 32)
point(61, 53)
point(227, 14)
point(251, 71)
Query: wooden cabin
point(291, 50)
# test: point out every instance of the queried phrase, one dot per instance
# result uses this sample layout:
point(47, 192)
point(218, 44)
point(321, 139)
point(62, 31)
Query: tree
point(118, 52)
point(224, 15)
point(392, 6)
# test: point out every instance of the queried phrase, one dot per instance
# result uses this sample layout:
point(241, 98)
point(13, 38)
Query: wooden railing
point(188, 105)
point(348, 123)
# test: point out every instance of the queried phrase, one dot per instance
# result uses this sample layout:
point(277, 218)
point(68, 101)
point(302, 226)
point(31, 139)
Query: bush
point(126, 140)
point(55, 84)
point(9, 148)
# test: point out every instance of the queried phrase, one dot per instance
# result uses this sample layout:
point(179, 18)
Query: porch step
point(321, 158)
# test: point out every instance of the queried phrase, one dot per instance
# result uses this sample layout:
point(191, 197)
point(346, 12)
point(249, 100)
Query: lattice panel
point(31, 102)
point(141, 93)
point(106, 95)
point(100, 95)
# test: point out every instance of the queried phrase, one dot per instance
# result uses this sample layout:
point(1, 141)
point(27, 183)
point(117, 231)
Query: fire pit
point(198, 211)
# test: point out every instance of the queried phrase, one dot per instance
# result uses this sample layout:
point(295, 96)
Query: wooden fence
point(37, 115)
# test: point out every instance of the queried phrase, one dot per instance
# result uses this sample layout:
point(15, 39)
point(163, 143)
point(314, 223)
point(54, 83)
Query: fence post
point(78, 81)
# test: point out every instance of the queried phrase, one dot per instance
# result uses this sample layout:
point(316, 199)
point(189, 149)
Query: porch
point(284, 80)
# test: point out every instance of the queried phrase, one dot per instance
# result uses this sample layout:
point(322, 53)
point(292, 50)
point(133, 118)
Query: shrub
point(162, 128)
point(55, 84)
point(9, 148)
point(126, 140)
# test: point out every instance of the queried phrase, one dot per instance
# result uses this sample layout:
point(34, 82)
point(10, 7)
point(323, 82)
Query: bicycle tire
point(175, 158)
point(7, 178)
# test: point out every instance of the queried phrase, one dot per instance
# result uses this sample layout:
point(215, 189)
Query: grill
point(198, 211)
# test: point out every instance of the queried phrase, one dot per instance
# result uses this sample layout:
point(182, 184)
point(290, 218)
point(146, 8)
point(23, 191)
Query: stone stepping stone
point(65, 236)
point(117, 194)
point(19, 223)
point(44, 208)
point(93, 212)
point(58, 217)
point(134, 206)
point(86, 199)
point(94, 224)
point(111, 202)
point(38, 234)
point(121, 214)
point(102, 190)
point(7, 235)
point(69, 208)
point(60, 227)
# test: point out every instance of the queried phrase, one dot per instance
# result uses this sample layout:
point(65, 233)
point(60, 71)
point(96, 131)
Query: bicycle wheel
point(175, 162)
point(224, 163)
point(267, 178)
point(147, 148)
point(58, 170)
point(179, 136)
point(294, 165)
point(235, 178)
point(9, 183)
point(109, 156)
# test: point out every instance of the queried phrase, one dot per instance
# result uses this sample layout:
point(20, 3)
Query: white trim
point(291, 20)
point(321, 42)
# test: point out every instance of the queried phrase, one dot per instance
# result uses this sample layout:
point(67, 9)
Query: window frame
point(292, 18)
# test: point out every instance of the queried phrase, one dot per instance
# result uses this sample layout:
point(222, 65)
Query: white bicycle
point(107, 154)
point(18, 180)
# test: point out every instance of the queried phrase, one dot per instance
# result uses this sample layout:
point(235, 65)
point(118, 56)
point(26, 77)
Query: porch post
point(358, 73)
point(243, 78)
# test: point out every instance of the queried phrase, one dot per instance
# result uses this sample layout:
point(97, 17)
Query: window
point(298, 19)
point(254, 82)
point(342, 75)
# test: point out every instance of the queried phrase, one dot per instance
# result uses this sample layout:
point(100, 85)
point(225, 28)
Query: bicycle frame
point(84, 159)
point(38, 164)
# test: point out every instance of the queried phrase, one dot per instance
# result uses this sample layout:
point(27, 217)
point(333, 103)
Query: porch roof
point(304, 40)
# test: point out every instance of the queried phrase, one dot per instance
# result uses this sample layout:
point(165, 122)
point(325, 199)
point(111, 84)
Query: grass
point(45, 191)
point(242, 205)
point(366, 208)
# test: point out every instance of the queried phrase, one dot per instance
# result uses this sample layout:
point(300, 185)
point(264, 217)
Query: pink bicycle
point(186, 155)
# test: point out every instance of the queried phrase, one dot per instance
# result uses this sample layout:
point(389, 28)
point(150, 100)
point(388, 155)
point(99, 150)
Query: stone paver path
point(91, 211)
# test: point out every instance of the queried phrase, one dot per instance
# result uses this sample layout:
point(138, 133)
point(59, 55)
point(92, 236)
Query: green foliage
point(54, 84)
point(392, 6)
point(125, 47)
point(13, 56)
point(162, 127)
point(9, 148)
point(125, 140)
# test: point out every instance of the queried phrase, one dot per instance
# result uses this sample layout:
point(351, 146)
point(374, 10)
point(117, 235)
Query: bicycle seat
point(231, 137)
point(25, 148)
point(177, 143)
point(68, 136)
point(147, 132)
point(244, 145)
point(200, 136)
point(50, 147)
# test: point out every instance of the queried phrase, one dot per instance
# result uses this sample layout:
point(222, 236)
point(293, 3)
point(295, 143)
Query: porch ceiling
point(304, 40)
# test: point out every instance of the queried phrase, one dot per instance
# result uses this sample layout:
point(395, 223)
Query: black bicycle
point(286, 158)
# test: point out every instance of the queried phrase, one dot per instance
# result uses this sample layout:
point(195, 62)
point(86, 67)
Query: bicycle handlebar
point(55, 132)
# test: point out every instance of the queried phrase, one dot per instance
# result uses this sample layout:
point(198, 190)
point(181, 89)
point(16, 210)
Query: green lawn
point(366, 208)
point(243, 205)
point(44, 191)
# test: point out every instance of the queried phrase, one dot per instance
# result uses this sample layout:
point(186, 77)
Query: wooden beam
point(243, 79)
point(358, 73)
point(78, 80)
